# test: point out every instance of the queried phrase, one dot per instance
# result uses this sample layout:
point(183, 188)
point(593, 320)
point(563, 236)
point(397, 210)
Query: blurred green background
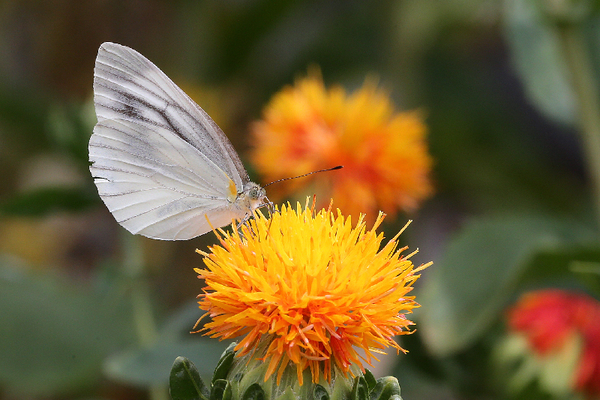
point(89, 312)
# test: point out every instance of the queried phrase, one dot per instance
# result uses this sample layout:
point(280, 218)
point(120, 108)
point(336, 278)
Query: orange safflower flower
point(307, 127)
point(310, 285)
point(548, 318)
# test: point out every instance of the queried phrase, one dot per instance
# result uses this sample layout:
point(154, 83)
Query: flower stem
point(585, 89)
point(143, 313)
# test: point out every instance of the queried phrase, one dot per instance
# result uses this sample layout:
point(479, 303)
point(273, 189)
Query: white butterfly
point(162, 166)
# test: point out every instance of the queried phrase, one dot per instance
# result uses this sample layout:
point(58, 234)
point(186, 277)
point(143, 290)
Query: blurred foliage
point(492, 259)
point(55, 333)
point(513, 209)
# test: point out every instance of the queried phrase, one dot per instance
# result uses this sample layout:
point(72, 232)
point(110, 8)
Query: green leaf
point(538, 60)
point(320, 393)
point(370, 379)
point(464, 293)
point(254, 392)
point(225, 362)
point(185, 382)
point(144, 367)
point(221, 390)
point(386, 388)
point(360, 391)
point(55, 333)
point(48, 200)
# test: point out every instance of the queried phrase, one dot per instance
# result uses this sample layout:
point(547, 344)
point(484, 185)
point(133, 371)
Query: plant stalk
point(585, 89)
point(141, 298)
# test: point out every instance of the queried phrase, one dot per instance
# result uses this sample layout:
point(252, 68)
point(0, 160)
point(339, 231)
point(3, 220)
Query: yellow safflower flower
point(308, 288)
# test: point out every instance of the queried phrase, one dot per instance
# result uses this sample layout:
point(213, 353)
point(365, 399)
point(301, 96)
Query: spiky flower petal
point(307, 289)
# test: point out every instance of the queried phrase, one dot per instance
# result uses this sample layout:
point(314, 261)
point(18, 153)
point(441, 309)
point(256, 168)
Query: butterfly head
point(254, 196)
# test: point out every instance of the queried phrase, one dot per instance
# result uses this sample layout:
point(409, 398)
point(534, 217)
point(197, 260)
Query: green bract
point(243, 379)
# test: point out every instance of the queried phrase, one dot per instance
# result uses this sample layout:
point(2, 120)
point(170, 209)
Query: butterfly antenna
point(303, 175)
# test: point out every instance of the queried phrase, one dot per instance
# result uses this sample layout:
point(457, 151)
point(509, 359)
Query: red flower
point(548, 318)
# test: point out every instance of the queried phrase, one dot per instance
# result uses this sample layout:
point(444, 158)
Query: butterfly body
point(162, 166)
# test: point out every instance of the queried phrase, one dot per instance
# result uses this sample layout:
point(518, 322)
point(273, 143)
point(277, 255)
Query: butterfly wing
point(161, 164)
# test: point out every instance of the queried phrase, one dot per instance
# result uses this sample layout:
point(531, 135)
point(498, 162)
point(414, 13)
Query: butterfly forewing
point(160, 163)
